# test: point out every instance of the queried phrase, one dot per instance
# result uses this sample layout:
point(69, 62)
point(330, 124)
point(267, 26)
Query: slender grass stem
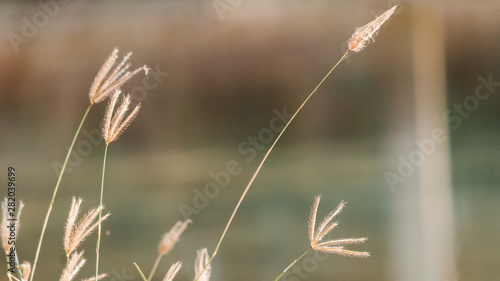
point(264, 160)
point(153, 270)
point(55, 192)
point(140, 272)
point(100, 216)
point(292, 264)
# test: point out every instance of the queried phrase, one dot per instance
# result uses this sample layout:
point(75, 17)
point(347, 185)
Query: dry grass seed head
point(326, 226)
point(107, 80)
point(75, 233)
point(170, 238)
point(25, 268)
point(173, 271)
point(366, 34)
point(5, 231)
point(199, 264)
point(114, 123)
point(74, 265)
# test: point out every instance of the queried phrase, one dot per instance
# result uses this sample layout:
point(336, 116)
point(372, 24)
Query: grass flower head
point(114, 123)
point(170, 238)
point(25, 268)
point(75, 233)
point(366, 34)
point(332, 246)
point(200, 263)
point(108, 80)
point(173, 271)
point(73, 266)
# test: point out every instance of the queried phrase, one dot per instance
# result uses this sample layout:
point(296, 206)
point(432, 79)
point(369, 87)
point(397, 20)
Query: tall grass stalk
point(115, 123)
point(56, 188)
point(265, 158)
point(361, 38)
point(100, 214)
point(155, 266)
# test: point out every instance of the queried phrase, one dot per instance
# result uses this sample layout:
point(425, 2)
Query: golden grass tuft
point(107, 82)
point(366, 34)
point(25, 268)
point(114, 125)
point(327, 225)
point(173, 271)
point(170, 238)
point(73, 266)
point(75, 233)
point(200, 263)
point(168, 241)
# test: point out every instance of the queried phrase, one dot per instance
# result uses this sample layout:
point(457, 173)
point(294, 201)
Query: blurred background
point(406, 131)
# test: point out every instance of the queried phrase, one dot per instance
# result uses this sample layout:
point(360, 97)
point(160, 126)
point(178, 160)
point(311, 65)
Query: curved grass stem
point(140, 272)
point(264, 160)
point(292, 264)
point(155, 266)
point(56, 188)
point(100, 215)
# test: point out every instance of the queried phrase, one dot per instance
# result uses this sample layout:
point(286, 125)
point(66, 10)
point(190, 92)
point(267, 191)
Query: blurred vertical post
point(436, 198)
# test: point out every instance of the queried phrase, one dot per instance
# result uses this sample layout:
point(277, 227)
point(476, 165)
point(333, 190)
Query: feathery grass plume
point(366, 34)
point(170, 238)
point(25, 268)
point(74, 265)
point(200, 263)
point(316, 236)
point(331, 246)
point(168, 241)
point(6, 216)
point(75, 233)
point(114, 125)
point(173, 271)
point(106, 82)
point(359, 40)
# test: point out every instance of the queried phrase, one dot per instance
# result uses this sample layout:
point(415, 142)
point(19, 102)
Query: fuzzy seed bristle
point(107, 80)
point(114, 123)
point(201, 261)
point(366, 34)
point(173, 271)
point(170, 238)
point(75, 233)
point(333, 246)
